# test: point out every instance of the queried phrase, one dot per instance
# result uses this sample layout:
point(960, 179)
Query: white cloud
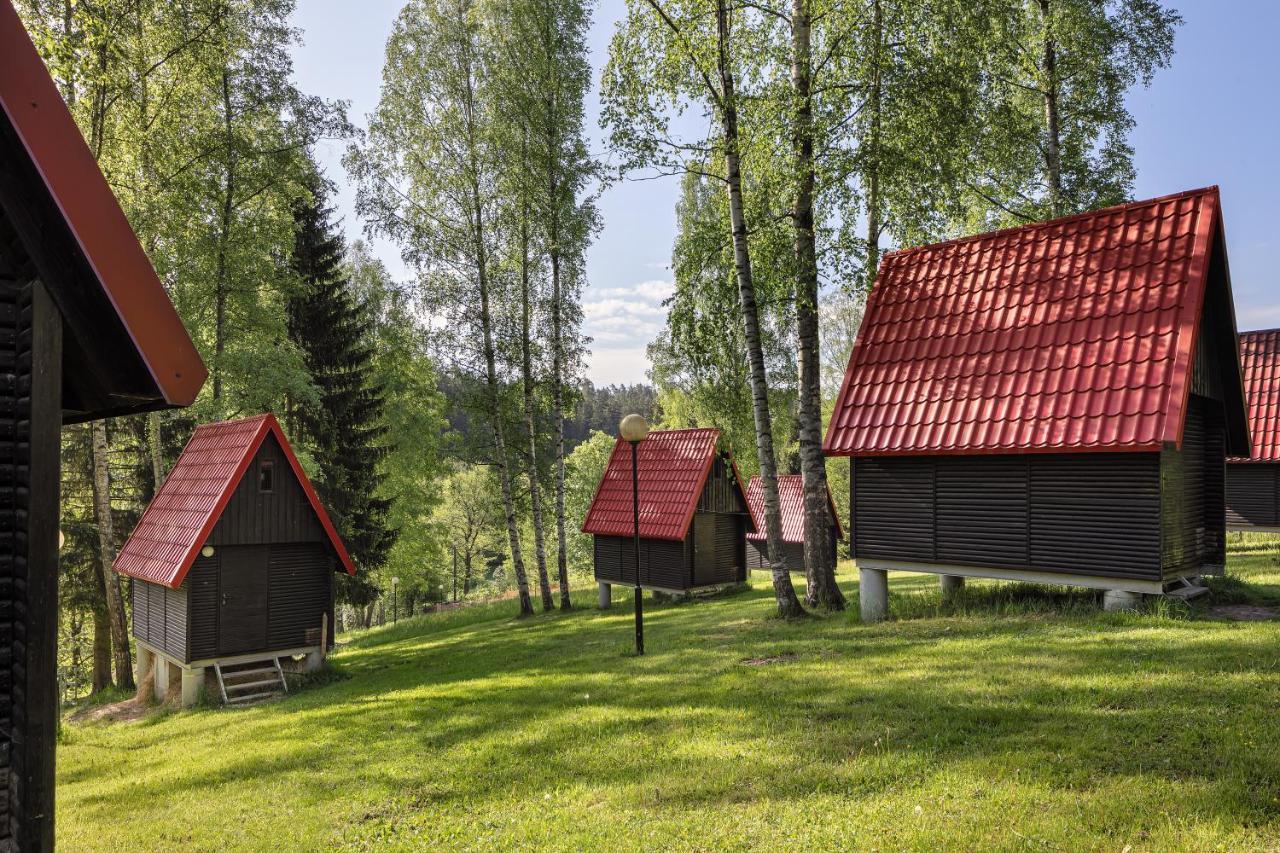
point(621, 322)
point(617, 366)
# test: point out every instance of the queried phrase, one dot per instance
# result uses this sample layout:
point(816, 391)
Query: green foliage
point(345, 429)
point(584, 469)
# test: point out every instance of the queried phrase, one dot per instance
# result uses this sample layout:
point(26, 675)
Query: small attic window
point(266, 477)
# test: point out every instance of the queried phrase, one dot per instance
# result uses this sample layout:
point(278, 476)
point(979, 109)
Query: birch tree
point(428, 179)
point(668, 57)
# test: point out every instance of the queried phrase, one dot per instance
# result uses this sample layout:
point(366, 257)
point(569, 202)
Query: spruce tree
point(345, 427)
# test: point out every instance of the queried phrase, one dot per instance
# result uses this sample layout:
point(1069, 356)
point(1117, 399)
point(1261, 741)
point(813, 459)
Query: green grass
point(1012, 718)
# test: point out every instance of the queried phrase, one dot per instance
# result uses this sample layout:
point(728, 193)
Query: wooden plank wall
point(1096, 514)
point(1253, 494)
point(253, 518)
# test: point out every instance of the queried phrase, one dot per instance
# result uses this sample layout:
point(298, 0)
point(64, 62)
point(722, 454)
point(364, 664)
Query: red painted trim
point(71, 175)
point(1180, 388)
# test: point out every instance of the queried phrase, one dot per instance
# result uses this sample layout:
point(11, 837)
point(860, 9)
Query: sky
point(1211, 118)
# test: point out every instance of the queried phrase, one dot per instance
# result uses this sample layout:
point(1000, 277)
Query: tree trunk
point(819, 563)
point(557, 398)
point(107, 553)
point(466, 574)
point(101, 677)
point(788, 604)
point(1053, 139)
point(530, 419)
point(873, 143)
point(155, 450)
point(224, 235)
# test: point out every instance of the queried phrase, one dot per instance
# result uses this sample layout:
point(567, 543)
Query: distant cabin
point(1253, 483)
point(694, 515)
point(791, 507)
point(232, 564)
point(1052, 403)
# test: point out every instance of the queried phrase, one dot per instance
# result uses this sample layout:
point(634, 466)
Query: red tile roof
point(1070, 335)
point(1260, 363)
point(674, 465)
point(40, 119)
point(791, 506)
point(178, 521)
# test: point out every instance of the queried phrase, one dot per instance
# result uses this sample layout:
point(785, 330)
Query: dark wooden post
point(31, 425)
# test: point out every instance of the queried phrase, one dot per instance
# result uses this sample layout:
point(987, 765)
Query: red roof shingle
point(1260, 363)
point(183, 513)
point(790, 506)
point(673, 471)
point(1069, 335)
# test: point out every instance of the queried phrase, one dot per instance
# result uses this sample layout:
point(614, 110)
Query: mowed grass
point(1015, 718)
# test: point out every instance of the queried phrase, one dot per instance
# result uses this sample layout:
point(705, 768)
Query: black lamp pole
point(635, 511)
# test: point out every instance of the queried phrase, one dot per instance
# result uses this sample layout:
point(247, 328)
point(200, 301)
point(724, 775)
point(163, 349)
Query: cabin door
point(704, 548)
point(242, 599)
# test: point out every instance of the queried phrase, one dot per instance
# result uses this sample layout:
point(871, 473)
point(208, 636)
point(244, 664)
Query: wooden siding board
point(202, 607)
point(1194, 519)
point(663, 563)
point(1253, 494)
point(298, 592)
point(1079, 514)
point(254, 518)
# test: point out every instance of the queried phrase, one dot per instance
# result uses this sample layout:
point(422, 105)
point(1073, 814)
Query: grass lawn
point(1014, 719)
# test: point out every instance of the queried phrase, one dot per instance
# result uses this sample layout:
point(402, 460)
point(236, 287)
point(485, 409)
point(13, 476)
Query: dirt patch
point(1243, 612)
point(125, 711)
point(786, 657)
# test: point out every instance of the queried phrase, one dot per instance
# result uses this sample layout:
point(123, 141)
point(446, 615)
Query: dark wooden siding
point(792, 554)
point(1192, 485)
point(202, 597)
point(299, 594)
point(663, 563)
point(160, 617)
point(721, 493)
point(283, 515)
point(1095, 514)
point(1253, 494)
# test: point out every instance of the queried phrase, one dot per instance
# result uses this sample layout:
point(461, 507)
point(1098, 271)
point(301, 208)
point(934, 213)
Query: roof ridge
point(1269, 331)
point(230, 421)
point(1047, 223)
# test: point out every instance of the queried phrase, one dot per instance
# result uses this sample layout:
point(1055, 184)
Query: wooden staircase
point(1185, 589)
point(250, 682)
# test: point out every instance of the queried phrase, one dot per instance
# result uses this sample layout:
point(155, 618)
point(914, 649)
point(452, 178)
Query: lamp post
point(633, 430)
point(394, 609)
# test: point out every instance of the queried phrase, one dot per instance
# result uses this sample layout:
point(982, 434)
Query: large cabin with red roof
point(1253, 483)
point(1052, 403)
point(694, 514)
point(233, 562)
point(791, 508)
point(86, 331)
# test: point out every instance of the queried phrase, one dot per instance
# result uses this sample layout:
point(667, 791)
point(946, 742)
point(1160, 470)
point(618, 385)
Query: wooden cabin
point(791, 508)
point(694, 515)
point(86, 331)
point(1052, 403)
point(1253, 482)
point(232, 566)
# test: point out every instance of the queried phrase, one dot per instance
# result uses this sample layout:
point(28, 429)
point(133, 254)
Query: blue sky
point(1213, 118)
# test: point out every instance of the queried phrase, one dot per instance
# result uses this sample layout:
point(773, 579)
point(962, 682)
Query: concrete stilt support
point(313, 661)
point(161, 678)
point(950, 584)
point(192, 686)
point(1120, 599)
point(606, 595)
point(143, 660)
point(873, 594)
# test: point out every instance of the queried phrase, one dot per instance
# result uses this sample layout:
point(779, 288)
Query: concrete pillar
point(161, 678)
point(313, 661)
point(950, 584)
point(192, 686)
point(873, 594)
point(606, 595)
point(1121, 599)
point(143, 659)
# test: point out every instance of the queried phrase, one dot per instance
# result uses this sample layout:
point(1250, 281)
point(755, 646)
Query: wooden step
point(245, 685)
point(1187, 593)
point(233, 685)
point(234, 673)
point(252, 697)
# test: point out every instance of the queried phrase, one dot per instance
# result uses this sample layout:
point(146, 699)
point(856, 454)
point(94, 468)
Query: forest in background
point(445, 419)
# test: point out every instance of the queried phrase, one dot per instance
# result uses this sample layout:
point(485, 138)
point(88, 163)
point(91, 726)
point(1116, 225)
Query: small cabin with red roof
point(1253, 482)
point(791, 507)
point(694, 515)
point(86, 332)
point(232, 564)
point(1052, 403)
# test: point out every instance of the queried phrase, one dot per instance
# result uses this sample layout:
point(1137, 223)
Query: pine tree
point(345, 428)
